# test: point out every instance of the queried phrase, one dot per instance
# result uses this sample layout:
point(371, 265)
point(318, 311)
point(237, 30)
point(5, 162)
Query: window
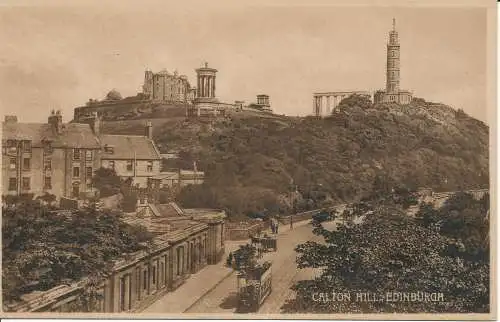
point(76, 172)
point(26, 164)
point(11, 147)
point(76, 154)
point(13, 163)
point(145, 280)
point(154, 274)
point(150, 166)
point(27, 146)
point(130, 165)
point(111, 165)
point(47, 183)
point(47, 165)
point(88, 172)
point(26, 184)
point(12, 184)
point(108, 149)
point(88, 155)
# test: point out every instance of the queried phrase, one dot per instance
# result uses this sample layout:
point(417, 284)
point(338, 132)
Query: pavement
point(222, 299)
point(198, 285)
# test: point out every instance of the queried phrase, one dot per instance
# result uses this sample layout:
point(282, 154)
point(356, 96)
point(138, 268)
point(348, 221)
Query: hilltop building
point(327, 103)
point(392, 93)
point(166, 87)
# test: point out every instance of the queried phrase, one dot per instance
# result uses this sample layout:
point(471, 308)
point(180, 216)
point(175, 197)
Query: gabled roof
point(73, 135)
point(129, 147)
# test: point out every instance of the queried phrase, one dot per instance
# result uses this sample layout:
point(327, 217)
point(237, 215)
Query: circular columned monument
point(206, 84)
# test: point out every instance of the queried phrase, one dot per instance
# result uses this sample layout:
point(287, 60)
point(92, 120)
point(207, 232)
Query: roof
point(167, 220)
point(170, 210)
point(73, 135)
point(206, 215)
point(129, 147)
point(155, 225)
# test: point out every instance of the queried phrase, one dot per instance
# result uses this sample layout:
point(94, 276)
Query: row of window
point(130, 165)
point(25, 184)
point(47, 181)
point(77, 155)
point(12, 146)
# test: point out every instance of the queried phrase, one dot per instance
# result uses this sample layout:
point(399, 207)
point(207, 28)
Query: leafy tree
point(388, 252)
point(42, 248)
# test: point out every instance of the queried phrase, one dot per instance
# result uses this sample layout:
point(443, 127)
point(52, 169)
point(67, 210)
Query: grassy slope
point(249, 160)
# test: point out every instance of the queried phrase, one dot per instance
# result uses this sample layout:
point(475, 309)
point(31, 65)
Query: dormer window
point(77, 154)
point(108, 149)
point(27, 146)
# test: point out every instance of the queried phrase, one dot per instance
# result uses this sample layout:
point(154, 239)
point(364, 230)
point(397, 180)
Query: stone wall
point(243, 230)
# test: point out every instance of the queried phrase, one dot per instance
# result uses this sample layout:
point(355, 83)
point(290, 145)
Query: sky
point(57, 55)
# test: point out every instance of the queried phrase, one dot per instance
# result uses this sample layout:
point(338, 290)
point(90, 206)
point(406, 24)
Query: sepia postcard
point(249, 159)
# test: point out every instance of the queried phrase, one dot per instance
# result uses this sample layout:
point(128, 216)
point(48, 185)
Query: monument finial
point(206, 65)
point(394, 24)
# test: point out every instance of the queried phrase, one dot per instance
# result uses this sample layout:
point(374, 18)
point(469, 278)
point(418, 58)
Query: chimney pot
point(10, 119)
point(149, 130)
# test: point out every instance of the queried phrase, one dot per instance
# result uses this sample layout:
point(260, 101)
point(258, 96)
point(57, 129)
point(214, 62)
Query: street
point(223, 299)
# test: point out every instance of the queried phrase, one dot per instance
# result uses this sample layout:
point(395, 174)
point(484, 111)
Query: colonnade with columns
point(326, 103)
point(206, 82)
point(206, 86)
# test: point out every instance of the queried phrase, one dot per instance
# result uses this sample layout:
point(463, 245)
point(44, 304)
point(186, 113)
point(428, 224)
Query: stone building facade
point(166, 87)
point(392, 93)
point(61, 159)
point(132, 157)
point(185, 242)
point(50, 157)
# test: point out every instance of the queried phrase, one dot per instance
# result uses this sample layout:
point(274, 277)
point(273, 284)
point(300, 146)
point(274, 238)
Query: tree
point(42, 248)
point(387, 252)
point(106, 181)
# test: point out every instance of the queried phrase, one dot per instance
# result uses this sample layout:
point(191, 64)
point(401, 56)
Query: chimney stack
point(95, 123)
point(10, 119)
point(55, 120)
point(149, 130)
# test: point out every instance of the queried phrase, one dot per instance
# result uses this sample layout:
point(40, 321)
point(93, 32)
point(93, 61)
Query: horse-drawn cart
point(254, 286)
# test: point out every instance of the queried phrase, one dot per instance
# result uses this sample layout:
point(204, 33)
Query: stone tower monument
point(392, 76)
point(392, 93)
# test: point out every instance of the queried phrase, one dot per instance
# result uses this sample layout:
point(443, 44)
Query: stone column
point(328, 104)
point(213, 86)
point(198, 90)
point(204, 86)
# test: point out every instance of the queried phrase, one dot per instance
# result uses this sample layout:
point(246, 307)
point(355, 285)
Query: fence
point(303, 215)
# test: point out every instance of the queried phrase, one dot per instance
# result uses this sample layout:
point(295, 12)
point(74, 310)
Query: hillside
point(249, 161)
